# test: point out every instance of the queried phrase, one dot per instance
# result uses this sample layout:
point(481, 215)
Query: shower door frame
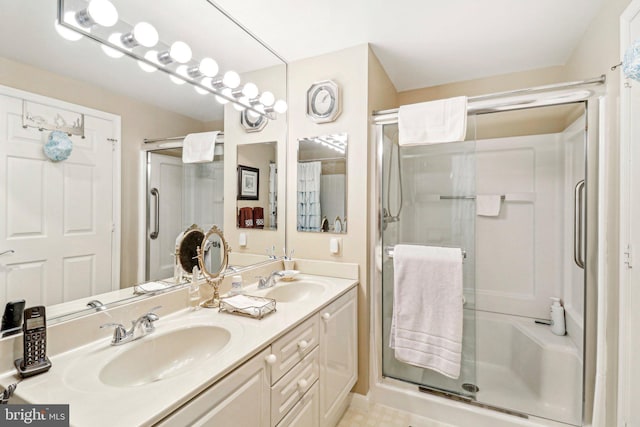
point(592, 92)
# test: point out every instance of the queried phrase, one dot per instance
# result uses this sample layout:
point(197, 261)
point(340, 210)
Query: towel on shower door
point(426, 326)
point(433, 122)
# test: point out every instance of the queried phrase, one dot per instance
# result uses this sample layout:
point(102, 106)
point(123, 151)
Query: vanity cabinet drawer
point(288, 391)
point(293, 347)
point(306, 413)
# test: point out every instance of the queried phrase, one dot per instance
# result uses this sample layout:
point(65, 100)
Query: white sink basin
point(160, 356)
point(295, 291)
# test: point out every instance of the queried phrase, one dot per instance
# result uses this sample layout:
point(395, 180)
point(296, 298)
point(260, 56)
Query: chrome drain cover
point(471, 388)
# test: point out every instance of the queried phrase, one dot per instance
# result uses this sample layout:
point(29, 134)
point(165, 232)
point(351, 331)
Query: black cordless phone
point(34, 342)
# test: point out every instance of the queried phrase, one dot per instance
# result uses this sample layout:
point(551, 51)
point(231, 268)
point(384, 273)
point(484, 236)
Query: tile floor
point(358, 415)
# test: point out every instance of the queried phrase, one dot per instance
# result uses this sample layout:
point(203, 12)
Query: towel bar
point(389, 250)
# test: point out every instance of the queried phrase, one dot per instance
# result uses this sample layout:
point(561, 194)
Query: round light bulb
point(151, 56)
point(103, 12)
point(226, 92)
point(280, 106)
point(180, 52)
point(231, 79)
point(182, 70)
point(145, 34)
point(267, 99)
point(64, 32)
point(250, 90)
point(111, 52)
point(209, 67)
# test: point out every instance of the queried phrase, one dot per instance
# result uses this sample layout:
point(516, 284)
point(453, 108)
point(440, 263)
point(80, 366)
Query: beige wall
point(348, 68)
point(139, 121)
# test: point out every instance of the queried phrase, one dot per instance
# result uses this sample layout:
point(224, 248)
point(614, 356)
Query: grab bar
point(389, 250)
point(156, 194)
point(578, 255)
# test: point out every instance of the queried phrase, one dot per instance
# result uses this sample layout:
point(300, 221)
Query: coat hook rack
point(59, 123)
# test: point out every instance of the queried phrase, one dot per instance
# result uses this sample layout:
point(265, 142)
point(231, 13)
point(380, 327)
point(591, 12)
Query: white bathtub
point(520, 366)
point(524, 367)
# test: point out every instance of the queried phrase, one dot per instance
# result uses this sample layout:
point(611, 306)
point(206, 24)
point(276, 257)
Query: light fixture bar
point(268, 113)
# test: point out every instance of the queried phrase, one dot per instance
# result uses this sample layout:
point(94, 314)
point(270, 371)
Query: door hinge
point(628, 257)
point(113, 228)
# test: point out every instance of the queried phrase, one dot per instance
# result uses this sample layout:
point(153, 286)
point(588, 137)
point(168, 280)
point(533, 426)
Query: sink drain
point(471, 388)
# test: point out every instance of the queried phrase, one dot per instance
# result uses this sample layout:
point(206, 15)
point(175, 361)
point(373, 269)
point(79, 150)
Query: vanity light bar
point(164, 59)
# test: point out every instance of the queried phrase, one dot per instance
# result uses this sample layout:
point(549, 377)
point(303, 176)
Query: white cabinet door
point(243, 398)
point(338, 356)
point(306, 413)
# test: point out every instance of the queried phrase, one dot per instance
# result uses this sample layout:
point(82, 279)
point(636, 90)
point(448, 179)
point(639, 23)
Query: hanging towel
point(488, 205)
point(245, 218)
point(258, 217)
point(433, 122)
point(199, 147)
point(426, 326)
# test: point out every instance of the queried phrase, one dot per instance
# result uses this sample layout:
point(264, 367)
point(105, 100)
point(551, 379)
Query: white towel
point(433, 122)
point(199, 147)
point(488, 205)
point(426, 327)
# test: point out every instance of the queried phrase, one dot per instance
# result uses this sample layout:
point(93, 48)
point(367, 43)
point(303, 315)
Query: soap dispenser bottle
point(557, 317)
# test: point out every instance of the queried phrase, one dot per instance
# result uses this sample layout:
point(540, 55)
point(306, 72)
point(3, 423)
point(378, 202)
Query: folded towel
point(199, 147)
point(426, 326)
point(433, 122)
point(148, 287)
point(488, 205)
point(247, 305)
point(245, 218)
point(258, 217)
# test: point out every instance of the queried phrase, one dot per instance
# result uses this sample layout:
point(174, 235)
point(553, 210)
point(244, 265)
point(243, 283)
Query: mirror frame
point(214, 278)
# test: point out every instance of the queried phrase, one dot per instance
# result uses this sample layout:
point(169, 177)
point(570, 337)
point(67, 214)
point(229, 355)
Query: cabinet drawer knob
point(326, 316)
point(302, 384)
point(271, 359)
point(303, 344)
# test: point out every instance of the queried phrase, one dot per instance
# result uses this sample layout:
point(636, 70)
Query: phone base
point(33, 370)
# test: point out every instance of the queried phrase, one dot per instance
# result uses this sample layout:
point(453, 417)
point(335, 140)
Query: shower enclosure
point(537, 152)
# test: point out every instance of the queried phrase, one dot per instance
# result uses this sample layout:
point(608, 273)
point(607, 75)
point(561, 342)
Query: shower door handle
point(578, 224)
point(154, 234)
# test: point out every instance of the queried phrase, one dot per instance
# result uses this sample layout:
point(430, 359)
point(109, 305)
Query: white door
point(56, 216)
point(165, 213)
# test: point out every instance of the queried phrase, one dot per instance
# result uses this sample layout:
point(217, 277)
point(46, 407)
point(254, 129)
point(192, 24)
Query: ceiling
point(420, 43)
point(424, 43)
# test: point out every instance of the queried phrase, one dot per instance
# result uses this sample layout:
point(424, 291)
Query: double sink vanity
point(295, 366)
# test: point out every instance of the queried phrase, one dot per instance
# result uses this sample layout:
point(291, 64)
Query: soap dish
point(248, 305)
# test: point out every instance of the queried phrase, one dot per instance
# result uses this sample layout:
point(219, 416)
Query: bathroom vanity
point(295, 367)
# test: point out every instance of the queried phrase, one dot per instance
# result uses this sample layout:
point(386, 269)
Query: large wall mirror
point(322, 184)
point(258, 186)
point(68, 80)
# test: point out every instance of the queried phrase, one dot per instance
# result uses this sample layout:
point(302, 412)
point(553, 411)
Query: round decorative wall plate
point(323, 101)
point(250, 123)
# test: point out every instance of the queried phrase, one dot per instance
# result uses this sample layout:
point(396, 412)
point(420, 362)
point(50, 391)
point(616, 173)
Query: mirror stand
point(214, 301)
point(213, 258)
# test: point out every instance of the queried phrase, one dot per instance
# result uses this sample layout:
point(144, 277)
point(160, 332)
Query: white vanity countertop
point(74, 376)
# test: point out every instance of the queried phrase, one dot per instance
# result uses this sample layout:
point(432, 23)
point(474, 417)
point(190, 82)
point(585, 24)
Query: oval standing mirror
point(187, 249)
point(213, 258)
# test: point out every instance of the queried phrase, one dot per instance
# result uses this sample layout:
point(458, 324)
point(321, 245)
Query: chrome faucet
point(143, 324)
point(268, 282)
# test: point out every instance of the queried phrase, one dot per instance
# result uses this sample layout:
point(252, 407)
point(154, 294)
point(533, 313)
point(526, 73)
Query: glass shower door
point(427, 200)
